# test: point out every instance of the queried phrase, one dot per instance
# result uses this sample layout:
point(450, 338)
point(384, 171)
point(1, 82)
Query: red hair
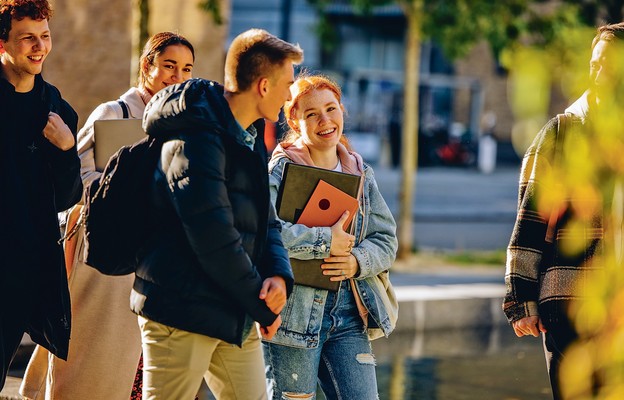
point(302, 86)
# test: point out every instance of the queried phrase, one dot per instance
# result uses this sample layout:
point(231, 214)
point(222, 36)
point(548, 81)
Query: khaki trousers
point(175, 361)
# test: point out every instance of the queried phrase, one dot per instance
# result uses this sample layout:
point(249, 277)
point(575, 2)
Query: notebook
point(297, 187)
point(326, 206)
point(111, 135)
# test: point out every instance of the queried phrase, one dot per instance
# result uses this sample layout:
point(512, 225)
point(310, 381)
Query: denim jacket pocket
point(302, 318)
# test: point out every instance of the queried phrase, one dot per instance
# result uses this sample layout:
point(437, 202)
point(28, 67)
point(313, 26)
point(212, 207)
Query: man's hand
point(341, 242)
point(268, 332)
point(528, 326)
point(58, 133)
point(273, 292)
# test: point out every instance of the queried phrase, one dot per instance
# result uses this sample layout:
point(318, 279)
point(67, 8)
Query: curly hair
point(20, 9)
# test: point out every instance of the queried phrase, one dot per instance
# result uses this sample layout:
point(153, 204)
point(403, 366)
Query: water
point(482, 364)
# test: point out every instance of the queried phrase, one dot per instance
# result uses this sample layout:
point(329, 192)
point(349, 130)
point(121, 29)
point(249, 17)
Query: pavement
point(455, 209)
point(430, 299)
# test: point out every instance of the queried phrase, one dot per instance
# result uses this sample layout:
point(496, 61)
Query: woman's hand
point(341, 242)
point(340, 268)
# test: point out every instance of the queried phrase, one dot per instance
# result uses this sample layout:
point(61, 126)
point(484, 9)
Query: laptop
point(110, 135)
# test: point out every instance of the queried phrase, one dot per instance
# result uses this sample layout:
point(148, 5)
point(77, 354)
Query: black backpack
point(116, 211)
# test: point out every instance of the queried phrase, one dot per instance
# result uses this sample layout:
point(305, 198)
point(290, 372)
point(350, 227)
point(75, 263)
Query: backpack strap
point(560, 133)
point(70, 233)
point(124, 108)
point(562, 126)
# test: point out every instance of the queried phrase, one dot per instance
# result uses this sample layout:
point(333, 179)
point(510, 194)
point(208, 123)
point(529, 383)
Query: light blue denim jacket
point(375, 250)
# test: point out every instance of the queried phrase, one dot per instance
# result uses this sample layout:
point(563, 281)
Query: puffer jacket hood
point(194, 105)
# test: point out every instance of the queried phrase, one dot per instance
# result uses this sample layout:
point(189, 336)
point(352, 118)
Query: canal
point(468, 364)
point(471, 364)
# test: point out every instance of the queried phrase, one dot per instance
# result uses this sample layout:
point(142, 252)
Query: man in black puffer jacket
point(216, 262)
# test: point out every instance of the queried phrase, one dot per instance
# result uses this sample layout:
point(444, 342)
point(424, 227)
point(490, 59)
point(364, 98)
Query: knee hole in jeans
point(366, 358)
point(291, 395)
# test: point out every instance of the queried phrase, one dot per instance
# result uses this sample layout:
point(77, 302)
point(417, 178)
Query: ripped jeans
point(343, 363)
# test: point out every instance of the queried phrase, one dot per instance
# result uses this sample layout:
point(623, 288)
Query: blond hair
point(253, 54)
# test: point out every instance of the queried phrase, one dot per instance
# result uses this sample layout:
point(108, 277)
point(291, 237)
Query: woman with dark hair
point(105, 345)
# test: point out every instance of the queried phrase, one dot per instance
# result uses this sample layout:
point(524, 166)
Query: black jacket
point(37, 180)
point(218, 239)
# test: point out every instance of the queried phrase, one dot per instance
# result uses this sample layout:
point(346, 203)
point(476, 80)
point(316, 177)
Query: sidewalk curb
point(448, 307)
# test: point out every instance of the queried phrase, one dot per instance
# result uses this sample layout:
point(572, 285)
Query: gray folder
point(110, 135)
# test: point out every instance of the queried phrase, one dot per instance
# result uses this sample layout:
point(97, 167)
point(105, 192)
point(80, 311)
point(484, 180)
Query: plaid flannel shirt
point(540, 278)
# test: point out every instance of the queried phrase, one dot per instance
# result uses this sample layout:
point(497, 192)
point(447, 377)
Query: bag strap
point(562, 127)
point(560, 133)
point(124, 109)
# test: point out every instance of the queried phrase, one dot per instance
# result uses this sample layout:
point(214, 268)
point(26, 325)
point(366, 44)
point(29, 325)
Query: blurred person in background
point(569, 223)
point(325, 335)
point(39, 177)
point(105, 345)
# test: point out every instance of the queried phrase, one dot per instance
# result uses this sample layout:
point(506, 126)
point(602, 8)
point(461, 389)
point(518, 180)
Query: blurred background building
point(95, 55)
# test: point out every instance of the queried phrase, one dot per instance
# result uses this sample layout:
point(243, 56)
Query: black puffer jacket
point(217, 238)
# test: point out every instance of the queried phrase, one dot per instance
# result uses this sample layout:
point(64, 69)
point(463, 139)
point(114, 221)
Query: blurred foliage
point(456, 25)
point(212, 7)
point(588, 184)
point(600, 12)
point(545, 44)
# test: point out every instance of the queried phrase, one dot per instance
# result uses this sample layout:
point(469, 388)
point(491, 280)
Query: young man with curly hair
point(39, 177)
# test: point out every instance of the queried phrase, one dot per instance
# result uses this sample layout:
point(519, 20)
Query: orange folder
point(326, 206)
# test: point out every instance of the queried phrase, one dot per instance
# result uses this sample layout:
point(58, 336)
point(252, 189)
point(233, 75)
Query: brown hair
point(609, 33)
point(155, 46)
point(20, 9)
point(303, 85)
point(254, 54)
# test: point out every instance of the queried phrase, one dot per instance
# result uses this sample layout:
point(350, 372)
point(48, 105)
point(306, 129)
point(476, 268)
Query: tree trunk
point(409, 150)
point(143, 24)
point(140, 34)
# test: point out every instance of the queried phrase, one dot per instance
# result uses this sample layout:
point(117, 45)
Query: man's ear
point(2, 49)
point(263, 87)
